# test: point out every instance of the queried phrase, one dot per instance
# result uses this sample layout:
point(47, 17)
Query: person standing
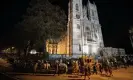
point(125, 62)
point(94, 69)
point(35, 67)
point(110, 71)
point(57, 71)
point(86, 70)
point(100, 68)
point(47, 66)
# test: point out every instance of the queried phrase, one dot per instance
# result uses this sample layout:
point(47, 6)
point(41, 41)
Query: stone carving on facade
point(78, 16)
point(84, 12)
point(78, 26)
point(85, 33)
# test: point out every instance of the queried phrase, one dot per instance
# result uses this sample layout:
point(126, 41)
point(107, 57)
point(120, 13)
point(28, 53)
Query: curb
point(9, 76)
point(37, 74)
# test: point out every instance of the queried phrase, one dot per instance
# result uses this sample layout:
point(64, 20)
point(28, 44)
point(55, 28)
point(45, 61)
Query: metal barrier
point(75, 56)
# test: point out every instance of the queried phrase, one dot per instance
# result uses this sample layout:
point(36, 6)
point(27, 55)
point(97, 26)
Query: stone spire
point(84, 12)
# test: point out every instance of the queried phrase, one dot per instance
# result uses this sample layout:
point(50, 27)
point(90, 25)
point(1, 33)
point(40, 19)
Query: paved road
point(6, 77)
point(121, 74)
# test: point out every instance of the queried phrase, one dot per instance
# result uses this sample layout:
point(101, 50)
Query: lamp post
point(33, 51)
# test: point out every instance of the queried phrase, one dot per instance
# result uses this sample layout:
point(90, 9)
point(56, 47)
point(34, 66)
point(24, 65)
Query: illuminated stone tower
point(84, 30)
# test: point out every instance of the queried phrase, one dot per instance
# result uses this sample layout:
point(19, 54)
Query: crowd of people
point(79, 66)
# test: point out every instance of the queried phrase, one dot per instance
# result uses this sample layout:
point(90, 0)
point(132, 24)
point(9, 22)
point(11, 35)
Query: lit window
point(49, 50)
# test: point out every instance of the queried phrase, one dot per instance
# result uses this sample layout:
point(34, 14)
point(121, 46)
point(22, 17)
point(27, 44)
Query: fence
point(75, 56)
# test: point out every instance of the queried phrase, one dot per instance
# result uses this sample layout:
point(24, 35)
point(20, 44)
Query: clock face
point(77, 16)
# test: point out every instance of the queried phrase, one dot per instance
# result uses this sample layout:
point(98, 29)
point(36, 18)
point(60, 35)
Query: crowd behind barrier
point(72, 66)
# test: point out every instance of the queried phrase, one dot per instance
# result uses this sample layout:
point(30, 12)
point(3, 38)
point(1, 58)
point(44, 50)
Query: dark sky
point(116, 16)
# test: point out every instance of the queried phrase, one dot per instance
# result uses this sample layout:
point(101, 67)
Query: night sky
point(116, 16)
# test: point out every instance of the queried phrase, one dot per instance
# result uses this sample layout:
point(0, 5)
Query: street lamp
point(33, 51)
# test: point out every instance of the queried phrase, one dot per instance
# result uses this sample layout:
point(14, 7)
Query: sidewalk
point(37, 74)
point(63, 76)
point(120, 74)
point(6, 77)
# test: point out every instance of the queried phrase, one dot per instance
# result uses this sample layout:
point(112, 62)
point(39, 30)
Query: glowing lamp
point(33, 51)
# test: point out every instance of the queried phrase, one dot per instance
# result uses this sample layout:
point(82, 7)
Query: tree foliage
point(131, 29)
point(42, 21)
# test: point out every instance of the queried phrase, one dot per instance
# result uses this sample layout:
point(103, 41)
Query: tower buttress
point(77, 16)
point(93, 12)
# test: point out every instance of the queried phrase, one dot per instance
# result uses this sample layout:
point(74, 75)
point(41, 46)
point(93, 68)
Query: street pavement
point(6, 77)
point(120, 74)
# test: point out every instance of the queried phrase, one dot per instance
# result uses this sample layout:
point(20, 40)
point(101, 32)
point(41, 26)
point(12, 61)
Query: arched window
point(88, 38)
point(77, 16)
point(79, 47)
point(87, 28)
point(88, 14)
point(78, 26)
point(95, 36)
point(77, 7)
point(88, 33)
point(93, 13)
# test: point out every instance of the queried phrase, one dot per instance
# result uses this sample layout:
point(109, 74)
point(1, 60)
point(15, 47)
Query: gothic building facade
point(84, 29)
point(84, 34)
point(110, 51)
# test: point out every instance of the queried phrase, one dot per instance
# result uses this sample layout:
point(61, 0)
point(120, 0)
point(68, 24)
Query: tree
point(45, 56)
point(131, 35)
point(131, 29)
point(42, 21)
